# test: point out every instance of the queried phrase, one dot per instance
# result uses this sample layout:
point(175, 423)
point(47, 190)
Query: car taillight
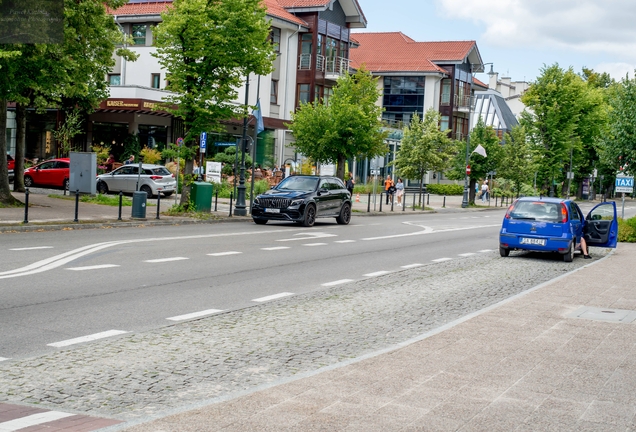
point(509, 211)
point(564, 213)
point(156, 177)
point(172, 175)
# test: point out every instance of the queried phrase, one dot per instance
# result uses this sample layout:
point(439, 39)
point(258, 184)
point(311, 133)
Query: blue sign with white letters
point(203, 141)
point(624, 184)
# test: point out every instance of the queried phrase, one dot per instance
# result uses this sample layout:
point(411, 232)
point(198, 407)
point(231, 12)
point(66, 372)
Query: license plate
point(272, 210)
point(533, 241)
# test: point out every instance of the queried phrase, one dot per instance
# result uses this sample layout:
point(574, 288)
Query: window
point(403, 96)
point(274, 37)
point(139, 34)
point(114, 79)
point(327, 95)
point(303, 93)
point(155, 80)
point(273, 97)
point(443, 124)
point(446, 92)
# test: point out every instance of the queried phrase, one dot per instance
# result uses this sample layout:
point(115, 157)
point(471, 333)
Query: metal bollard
point(121, 197)
point(158, 204)
point(391, 203)
point(428, 199)
point(369, 203)
point(76, 205)
point(380, 202)
point(444, 203)
point(403, 202)
point(26, 205)
point(495, 200)
point(216, 199)
point(231, 196)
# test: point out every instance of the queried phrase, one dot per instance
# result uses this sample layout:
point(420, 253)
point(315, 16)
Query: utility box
point(201, 196)
point(139, 205)
point(83, 172)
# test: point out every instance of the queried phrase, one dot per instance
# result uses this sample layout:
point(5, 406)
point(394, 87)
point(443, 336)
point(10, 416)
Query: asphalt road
point(62, 285)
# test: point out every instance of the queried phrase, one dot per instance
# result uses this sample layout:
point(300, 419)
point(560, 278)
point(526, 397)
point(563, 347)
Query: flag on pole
point(480, 150)
point(260, 127)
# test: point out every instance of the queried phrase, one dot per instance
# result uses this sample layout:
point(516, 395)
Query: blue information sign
point(624, 184)
point(203, 141)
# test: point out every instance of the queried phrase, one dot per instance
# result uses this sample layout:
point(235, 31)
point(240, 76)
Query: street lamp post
point(240, 208)
point(470, 114)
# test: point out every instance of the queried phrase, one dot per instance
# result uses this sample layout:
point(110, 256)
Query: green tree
point(348, 126)
point(423, 148)
point(207, 49)
point(517, 161)
point(64, 135)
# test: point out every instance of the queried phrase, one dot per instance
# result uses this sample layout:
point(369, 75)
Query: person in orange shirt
point(389, 188)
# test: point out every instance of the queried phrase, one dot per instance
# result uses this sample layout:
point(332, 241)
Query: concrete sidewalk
point(560, 357)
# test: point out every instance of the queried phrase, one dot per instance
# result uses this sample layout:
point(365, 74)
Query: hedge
point(445, 189)
point(627, 230)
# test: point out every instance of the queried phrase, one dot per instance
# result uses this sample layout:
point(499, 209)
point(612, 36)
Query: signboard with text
point(624, 184)
point(213, 172)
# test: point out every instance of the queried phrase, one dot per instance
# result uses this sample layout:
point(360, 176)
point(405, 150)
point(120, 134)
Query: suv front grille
point(279, 203)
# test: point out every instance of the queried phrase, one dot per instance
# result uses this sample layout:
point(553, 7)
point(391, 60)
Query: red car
point(53, 172)
point(10, 166)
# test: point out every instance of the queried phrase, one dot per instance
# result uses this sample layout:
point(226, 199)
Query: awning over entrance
point(124, 105)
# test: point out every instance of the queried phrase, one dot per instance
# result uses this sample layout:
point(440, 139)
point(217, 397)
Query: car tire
point(345, 215)
point(569, 255)
point(102, 188)
point(146, 188)
point(310, 216)
point(260, 221)
point(504, 252)
point(28, 181)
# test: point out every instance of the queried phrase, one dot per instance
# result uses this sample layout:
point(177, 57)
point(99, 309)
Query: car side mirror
point(323, 191)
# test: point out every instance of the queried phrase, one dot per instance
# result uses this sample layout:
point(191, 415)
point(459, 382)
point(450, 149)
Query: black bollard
point(428, 199)
point(391, 203)
point(231, 196)
point(76, 205)
point(380, 202)
point(369, 203)
point(121, 197)
point(216, 199)
point(158, 204)
point(26, 205)
point(495, 200)
point(403, 202)
point(444, 203)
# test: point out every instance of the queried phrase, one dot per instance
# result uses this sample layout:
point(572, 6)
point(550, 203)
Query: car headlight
point(256, 201)
point(296, 202)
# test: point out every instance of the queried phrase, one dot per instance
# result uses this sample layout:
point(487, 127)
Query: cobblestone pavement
point(170, 369)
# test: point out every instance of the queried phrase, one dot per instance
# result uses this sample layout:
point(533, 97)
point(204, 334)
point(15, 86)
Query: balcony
point(333, 67)
point(461, 103)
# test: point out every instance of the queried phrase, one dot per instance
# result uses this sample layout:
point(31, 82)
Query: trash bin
point(139, 204)
point(201, 196)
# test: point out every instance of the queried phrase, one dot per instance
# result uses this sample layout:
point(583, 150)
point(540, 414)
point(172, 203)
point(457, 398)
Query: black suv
point(302, 199)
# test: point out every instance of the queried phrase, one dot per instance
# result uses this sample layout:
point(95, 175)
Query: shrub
point(150, 156)
point(444, 189)
point(627, 230)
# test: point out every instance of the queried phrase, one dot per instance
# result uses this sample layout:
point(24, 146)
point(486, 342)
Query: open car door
point(601, 226)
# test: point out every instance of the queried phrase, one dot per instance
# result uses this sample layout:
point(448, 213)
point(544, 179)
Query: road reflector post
point(76, 205)
point(414, 194)
point(231, 197)
point(26, 206)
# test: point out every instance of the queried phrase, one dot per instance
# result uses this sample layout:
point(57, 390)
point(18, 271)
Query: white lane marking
point(409, 266)
point(33, 420)
point(345, 241)
point(486, 250)
point(466, 254)
point(225, 253)
point(95, 267)
point(62, 259)
point(308, 236)
point(273, 297)
point(315, 244)
point(441, 259)
point(88, 338)
point(160, 260)
point(338, 282)
point(194, 315)
point(31, 248)
point(378, 273)
point(429, 230)
point(275, 248)
point(4, 358)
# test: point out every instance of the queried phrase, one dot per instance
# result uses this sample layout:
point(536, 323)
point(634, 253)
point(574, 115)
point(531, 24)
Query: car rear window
point(536, 210)
point(162, 171)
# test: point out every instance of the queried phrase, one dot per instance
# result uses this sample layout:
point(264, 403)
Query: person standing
point(130, 160)
point(484, 191)
point(350, 183)
point(389, 187)
point(399, 190)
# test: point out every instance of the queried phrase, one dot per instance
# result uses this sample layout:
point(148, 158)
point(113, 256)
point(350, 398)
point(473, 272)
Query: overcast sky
point(521, 36)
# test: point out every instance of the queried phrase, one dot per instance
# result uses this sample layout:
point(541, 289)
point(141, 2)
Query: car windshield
point(536, 210)
point(305, 184)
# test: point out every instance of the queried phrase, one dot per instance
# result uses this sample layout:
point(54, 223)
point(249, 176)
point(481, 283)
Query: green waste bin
point(139, 204)
point(201, 196)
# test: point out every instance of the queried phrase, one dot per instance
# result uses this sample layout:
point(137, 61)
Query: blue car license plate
point(532, 241)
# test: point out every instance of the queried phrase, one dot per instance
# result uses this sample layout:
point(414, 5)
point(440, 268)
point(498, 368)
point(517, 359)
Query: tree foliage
point(348, 126)
point(619, 150)
point(517, 161)
point(424, 147)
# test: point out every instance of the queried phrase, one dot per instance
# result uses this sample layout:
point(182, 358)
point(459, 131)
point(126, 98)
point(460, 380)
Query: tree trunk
point(5, 191)
point(471, 190)
point(340, 171)
point(20, 145)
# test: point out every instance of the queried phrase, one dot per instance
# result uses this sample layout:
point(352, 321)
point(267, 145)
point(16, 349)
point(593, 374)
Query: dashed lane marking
point(486, 250)
point(466, 254)
point(441, 259)
point(160, 260)
point(20, 417)
point(315, 244)
point(4, 359)
point(338, 282)
point(410, 266)
point(378, 273)
point(217, 254)
point(31, 248)
point(95, 267)
point(273, 297)
point(88, 338)
point(345, 241)
point(275, 248)
point(194, 315)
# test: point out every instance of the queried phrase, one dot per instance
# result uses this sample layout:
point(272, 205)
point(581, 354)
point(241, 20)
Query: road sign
point(467, 169)
point(179, 142)
point(624, 184)
point(203, 141)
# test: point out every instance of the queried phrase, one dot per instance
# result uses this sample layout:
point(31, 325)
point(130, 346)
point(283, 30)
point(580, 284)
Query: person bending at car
point(584, 249)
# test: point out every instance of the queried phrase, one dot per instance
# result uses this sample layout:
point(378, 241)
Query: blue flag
point(260, 127)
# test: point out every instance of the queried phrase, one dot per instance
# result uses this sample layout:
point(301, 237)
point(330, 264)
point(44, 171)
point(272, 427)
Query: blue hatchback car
point(556, 225)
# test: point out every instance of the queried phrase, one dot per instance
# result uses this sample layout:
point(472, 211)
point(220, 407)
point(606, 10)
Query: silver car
point(154, 179)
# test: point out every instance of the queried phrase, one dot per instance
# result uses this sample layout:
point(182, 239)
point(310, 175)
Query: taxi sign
point(624, 184)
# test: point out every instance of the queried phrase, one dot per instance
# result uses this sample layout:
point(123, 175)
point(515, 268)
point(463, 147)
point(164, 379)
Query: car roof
point(545, 199)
